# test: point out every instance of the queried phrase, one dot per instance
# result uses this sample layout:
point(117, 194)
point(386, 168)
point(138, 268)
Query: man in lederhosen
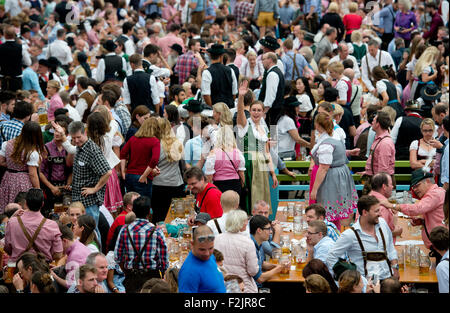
point(219, 83)
point(112, 66)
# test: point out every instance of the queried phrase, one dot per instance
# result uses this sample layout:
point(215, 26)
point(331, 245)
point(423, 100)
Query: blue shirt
point(442, 274)
point(193, 150)
point(200, 5)
point(444, 164)
point(269, 245)
point(288, 62)
point(4, 117)
point(30, 80)
point(315, 4)
point(197, 276)
point(10, 130)
point(332, 231)
point(210, 11)
point(286, 14)
point(261, 257)
point(387, 19)
point(322, 248)
point(347, 243)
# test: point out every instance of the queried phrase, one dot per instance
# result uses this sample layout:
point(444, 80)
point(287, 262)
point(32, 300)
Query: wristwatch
point(395, 266)
point(394, 206)
point(19, 291)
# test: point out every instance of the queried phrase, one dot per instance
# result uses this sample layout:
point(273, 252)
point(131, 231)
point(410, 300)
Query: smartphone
point(375, 279)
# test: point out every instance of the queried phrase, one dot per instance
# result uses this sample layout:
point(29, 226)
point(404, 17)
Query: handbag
point(243, 186)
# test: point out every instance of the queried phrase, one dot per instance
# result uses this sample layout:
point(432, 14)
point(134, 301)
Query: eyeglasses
point(201, 239)
point(310, 233)
point(427, 130)
point(267, 228)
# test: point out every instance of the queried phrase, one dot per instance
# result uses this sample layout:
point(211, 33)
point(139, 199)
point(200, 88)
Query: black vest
point(140, 90)
point(221, 84)
point(279, 98)
point(11, 59)
point(393, 99)
point(408, 132)
point(146, 66)
point(113, 66)
point(235, 70)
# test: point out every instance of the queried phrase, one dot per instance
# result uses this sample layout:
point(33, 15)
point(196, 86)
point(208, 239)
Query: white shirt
point(100, 74)
point(356, 104)
point(324, 151)
point(108, 152)
point(245, 71)
point(442, 273)
point(386, 59)
point(337, 58)
point(272, 82)
point(32, 161)
point(342, 88)
point(12, 6)
point(81, 105)
point(207, 80)
point(285, 141)
point(73, 113)
point(60, 50)
point(130, 47)
point(221, 221)
point(153, 86)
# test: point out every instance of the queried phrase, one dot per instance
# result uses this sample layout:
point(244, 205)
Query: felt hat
point(194, 106)
point(430, 92)
point(216, 49)
point(270, 43)
point(177, 48)
point(309, 37)
point(110, 45)
point(291, 101)
point(419, 175)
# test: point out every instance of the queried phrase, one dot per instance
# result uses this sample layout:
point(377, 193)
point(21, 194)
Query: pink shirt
point(92, 38)
point(385, 213)
point(239, 257)
point(169, 11)
point(431, 207)
point(220, 166)
point(167, 41)
point(384, 155)
point(359, 131)
point(48, 241)
point(55, 103)
point(76, 256)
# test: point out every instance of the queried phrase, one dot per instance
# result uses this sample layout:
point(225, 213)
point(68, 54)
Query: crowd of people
point(111, 109)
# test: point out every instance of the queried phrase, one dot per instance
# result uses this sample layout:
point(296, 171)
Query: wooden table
point(407, 275)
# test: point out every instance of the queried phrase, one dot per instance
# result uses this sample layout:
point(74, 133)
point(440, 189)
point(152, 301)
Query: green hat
point(341, 266)
point(193, 106)
point(419, 175)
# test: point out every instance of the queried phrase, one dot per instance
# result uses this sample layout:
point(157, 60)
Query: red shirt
point(352, 22)
point(140, 153)
point(211, 202)
point(119, 221)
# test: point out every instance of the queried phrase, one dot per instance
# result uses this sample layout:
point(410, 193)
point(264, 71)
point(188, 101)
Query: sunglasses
point(209, 238)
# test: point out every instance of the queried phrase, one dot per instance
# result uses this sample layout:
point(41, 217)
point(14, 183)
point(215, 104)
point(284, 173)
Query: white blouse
point(324, 151)
point(421, 151)
point(33, 160)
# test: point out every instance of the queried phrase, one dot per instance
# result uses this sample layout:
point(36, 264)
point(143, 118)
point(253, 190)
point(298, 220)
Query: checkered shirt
point(155, 255)
point(185, 63)
point(10, 130)
point(332, 231)
point(123, 113)
point(89, 166)
point(242, 9)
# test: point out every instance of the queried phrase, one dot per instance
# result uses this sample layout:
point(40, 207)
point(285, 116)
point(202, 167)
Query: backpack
point(361, 143)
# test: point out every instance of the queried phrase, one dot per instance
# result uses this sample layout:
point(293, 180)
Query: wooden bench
point(402, 180)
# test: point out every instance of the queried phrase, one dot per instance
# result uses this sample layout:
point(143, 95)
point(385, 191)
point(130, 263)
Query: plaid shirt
point(10, 130)
point(123, 113)
point(242, 9)
point(155, 254)
point(89, 166)
point(185, 63)
point(332, 231)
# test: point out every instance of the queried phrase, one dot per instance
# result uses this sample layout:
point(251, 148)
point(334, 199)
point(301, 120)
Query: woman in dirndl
point(333, 186)
point(253, 141)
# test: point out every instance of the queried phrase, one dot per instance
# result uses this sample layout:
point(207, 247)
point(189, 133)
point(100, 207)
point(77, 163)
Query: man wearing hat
point(270, 44)
point(219, 83)
point(407, 129)
point(194, 108)
point(202, 219)
point(430, 205)
point(430, 93)
point(109, 66)
point(266, 13)
point(272, 88)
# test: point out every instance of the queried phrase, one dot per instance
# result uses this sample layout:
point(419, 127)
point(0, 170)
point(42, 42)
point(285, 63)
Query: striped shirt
point(155, 254)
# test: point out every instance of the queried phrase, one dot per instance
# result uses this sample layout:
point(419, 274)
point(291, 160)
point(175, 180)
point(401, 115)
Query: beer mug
point(187, 234)
point(58, 208)
point(285, 263)
point(407, 255)
point(424, 263)
point(174, 252)
point(276, 255)
point(298, 209)
point(179, 209)
point(290, 213)
point(285, 244)
point(415, 256)
point(298, 225)
point(10, 269)
point(401, 258)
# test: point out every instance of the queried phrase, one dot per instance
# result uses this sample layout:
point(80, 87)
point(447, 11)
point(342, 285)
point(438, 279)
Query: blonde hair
point(238, 45)
point(148, 129)
point(225, 138)
point(104, 111)
point(235, 221)
point(406, 4)
point(429, 56)
point(78, 205)
point(54, 83)
point(333, 8)
point(338, 110)
point(427, 122)
point(356, 36)
point(336, 67)
point(251, 53)
point(353, 7)
point(225, 113)
point(170, 143)
point(229, 200)
point(315, 283)
point(323, 64)
point(391, 112)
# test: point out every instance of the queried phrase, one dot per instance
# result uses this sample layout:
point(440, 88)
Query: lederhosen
point(30, 239)
point(374, 256)
point(51, 199)
point(367, 179)
point(295, 71)
point(217, 226)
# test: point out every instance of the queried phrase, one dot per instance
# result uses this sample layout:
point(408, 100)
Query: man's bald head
point(350, 73)
point(229, 200)
point(202, 231)
point(12, 207)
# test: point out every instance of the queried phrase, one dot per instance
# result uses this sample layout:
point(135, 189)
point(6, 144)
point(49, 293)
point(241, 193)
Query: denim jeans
point(132, 184)
point(94, 211)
